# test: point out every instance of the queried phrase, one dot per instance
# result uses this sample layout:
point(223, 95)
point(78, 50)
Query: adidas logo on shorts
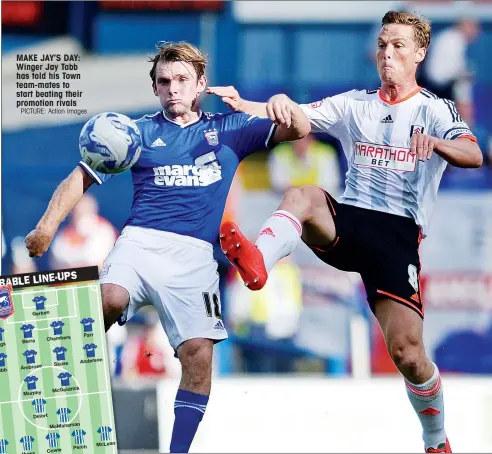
point(387, 119)
point(219, 325)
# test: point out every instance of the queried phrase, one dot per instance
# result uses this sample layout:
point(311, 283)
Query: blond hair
point(181, 51)
point(421, 26)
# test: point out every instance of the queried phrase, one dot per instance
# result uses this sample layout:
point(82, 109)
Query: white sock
point(278, 237)
point(428, 402)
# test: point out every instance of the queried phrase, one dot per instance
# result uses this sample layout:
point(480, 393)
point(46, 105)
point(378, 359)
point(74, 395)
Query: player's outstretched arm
point(65, 197)
point(292, 122)
point(461, 152)
point(231, 98)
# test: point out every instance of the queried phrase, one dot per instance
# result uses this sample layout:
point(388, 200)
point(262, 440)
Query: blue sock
point(189, 408)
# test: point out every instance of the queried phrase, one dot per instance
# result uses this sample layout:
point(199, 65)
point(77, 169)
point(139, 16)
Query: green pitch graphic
point(55, 393)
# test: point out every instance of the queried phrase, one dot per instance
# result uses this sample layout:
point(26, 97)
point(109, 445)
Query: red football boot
point(441, 448)
point(243, 255)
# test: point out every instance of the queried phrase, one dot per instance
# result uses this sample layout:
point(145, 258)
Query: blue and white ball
point(110, 142)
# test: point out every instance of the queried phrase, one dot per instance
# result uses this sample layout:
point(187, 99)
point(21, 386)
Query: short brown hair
point(181, 51)
point(421, 26)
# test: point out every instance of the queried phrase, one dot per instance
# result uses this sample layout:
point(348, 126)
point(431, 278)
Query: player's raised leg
point(191, 401)
point(303, 211)
point(402, 329)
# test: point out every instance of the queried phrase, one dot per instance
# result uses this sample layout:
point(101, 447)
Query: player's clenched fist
point(229, 95)
point(423, 146)
point(279, 110)
point(38, 242)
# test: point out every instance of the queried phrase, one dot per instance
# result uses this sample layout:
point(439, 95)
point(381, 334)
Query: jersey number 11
point(208, 304)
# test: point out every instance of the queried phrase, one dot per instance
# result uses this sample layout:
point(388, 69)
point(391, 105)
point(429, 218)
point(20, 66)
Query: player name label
point(31, 367)
point(62, 390)
point(32, 393)
point(61, 363)
point(3, 369)
point(28, 341)
point(79, 447)
point(88, 334)
point(39, 416)
point(53, 450)
point(86, 361)
point(105, 443)
point(61, 426)
point(49, 338)
point(40, 312)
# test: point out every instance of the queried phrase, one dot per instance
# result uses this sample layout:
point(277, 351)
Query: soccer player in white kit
point(398, 140)
point(164, 255)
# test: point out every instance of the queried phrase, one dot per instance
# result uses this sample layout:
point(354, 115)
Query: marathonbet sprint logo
point(204, 172)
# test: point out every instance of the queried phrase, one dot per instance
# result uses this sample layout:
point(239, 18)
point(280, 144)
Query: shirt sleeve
point(99, 177)
point(254, 134)
point(328, 114)
point(446, 122)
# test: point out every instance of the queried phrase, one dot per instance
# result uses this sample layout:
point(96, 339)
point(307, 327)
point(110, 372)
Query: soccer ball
point(110, 142)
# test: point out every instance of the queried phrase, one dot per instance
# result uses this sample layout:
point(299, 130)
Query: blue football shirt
point(64, 378)
point(183, 175)
point(27, 330)
point(57, 326)
point(87, 322)
point(31, 381)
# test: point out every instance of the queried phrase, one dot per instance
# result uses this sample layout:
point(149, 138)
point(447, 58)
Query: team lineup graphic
point(55, 393)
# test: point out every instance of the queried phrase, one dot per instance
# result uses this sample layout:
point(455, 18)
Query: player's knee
point(303, 201)
point(408, 354)
point(195, 356)
point(115, 299)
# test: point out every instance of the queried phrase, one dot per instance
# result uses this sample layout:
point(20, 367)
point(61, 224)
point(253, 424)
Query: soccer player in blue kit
point(164, 255)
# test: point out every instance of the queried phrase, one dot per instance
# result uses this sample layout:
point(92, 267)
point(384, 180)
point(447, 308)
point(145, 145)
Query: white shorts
point(176, 274)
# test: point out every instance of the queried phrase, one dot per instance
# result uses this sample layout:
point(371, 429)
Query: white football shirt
point(375, 135)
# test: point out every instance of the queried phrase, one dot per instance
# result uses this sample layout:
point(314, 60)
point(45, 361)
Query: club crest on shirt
point(416, 129)
point(212, 137)
point(6, 303)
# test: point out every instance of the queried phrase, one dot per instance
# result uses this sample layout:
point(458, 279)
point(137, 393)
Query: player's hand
point(423, 146)
point(229, 95)
point(38, 242)
point(279, 110)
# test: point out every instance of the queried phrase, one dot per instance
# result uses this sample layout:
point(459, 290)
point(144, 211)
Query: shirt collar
point(184, 125)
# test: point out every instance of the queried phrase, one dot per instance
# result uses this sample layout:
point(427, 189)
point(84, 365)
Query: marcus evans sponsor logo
point(384, 156)
point(206, 171)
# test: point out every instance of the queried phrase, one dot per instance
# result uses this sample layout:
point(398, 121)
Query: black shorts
point(382, 247)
